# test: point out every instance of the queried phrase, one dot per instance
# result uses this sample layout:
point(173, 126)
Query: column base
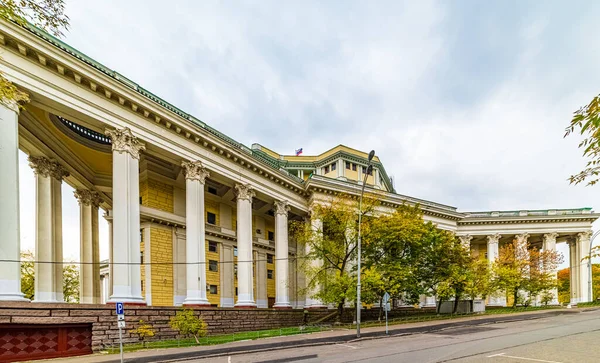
point(196, 302)
point(245, 305)
point(14, 297)
point(129, 300)
point(283, 305)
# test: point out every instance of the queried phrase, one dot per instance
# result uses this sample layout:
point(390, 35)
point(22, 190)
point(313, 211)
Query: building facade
point(195, 217)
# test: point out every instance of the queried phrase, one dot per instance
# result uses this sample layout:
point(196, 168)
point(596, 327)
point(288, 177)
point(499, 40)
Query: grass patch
point(214, 339)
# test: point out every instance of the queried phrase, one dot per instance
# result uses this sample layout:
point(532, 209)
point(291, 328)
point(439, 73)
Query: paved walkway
point(321, 338)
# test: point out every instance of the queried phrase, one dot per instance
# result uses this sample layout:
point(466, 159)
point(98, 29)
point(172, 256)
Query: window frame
point(210, 289)
point(270, 258)
point(208, 214)
point(211, 264)
point(271, 274)
point(213, 244)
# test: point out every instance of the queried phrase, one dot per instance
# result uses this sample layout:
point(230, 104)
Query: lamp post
point(362, 191)
point(590, 290)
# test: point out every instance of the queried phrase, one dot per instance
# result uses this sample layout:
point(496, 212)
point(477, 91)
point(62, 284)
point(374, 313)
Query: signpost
point(386, 304)
point(121, 325)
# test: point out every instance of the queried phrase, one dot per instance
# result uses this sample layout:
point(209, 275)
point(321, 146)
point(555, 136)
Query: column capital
point(465, 239)
point(45, 167)
point(87, 197)
point(494, 238)
point(584, 236)
point(523, 237)
point(194, 170)
point(550, 237)
point(244, 192)
point(123, 140)
point(282, 207)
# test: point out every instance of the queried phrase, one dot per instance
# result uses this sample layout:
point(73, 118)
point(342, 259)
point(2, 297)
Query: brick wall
point(103, 320)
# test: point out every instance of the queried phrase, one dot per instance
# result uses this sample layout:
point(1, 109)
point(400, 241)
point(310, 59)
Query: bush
point(186, 323)
point(144, 331)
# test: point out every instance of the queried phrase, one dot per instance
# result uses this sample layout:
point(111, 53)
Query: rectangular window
point(236, 290)
point(271, 235)
point(213, 289)
point(348, 165)
point(269, 258)
point(235, 269)
point(353, 167)
point(211, 218)
point(213, 266)
point(270, 274)
point(212, 190)
point(333, 166)
point(326, 169)
point(212, 246)
point(235, 251)
point(142, 257)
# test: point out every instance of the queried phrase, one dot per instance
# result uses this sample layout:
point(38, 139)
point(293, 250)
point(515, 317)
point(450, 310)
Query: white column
point(226, 276)
point(376, 177)
point(311, 301)
point(492, 254)
point(574, 270)
point(48, 243)
point(127, 284)
point(10, 240)
point(282, 295)
point(195, 177)
point(549, 244)
point(583, 247)
point(89, 269)
point(244, 194)
point(108, 216)
point(522, 250)
point(179, 270)
point(262, 301)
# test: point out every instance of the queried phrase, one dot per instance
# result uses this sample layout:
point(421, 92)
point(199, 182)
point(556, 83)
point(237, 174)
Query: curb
point(347, 338)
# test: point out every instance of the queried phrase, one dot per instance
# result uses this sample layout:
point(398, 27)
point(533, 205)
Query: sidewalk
point(322, 338)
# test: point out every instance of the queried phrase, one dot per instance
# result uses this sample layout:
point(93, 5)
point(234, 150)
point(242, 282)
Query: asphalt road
point(559, 339)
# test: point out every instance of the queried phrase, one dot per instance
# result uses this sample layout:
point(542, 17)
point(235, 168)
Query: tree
point(186, 323)
point(564, 286)
point(392, 249)
point(70, 278)
point(333, 245)
point(144, 330)
point(522, 270)
point(27, 274)
point(46, 14)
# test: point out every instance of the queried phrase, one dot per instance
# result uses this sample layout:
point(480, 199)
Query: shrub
point(144, 331)
point(186, 323)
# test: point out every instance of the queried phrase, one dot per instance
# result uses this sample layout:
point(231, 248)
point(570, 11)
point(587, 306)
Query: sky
point(465, 102)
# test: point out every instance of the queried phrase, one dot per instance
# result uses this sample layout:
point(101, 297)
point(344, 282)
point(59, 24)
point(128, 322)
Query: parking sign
point(119, 307)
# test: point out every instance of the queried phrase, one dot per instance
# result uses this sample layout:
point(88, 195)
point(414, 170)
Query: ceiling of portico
point(99, 161)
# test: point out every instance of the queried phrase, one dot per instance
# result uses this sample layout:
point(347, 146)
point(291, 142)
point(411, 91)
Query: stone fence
point(102, 319)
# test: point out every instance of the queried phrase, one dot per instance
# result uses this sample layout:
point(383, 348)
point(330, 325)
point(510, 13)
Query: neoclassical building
point(195, 217)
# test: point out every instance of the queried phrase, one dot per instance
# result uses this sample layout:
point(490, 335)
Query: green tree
point(186, 323)
point(564, 286)
point(392, 249)
point(70, 278)
point(46, 14)
point(333, 244)
point(586, 121)
point(521, 270)
point(27, 274)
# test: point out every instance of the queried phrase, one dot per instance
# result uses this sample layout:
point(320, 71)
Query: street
point(560, 339)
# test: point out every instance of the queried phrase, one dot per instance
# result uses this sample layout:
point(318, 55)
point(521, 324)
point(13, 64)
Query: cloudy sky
point(465, 102)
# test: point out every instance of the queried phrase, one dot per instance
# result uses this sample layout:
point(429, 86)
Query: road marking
point(521, 358)
point(229, 359)
point(346, 345)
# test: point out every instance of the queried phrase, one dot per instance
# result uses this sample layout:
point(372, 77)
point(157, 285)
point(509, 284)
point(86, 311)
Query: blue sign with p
point(119, 307)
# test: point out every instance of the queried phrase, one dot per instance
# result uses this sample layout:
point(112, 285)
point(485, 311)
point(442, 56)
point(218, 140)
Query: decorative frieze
point(123, 140)
point(88, 197)
point(45, 167)
point(244, 192)
point(194, 170)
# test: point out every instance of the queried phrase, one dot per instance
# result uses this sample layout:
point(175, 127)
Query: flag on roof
point(298, 151)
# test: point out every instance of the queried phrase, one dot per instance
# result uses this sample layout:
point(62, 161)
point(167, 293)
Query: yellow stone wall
point(213, 207)
point(161, 240)
point(213, 278)
point(271, 282)
point(159, 195)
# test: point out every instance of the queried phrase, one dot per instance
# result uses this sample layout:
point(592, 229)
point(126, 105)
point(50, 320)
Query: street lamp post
point(590, 290)
point(362, 191)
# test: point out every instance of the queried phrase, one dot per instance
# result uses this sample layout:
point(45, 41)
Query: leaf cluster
point(186, 323)
point(586, 121)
